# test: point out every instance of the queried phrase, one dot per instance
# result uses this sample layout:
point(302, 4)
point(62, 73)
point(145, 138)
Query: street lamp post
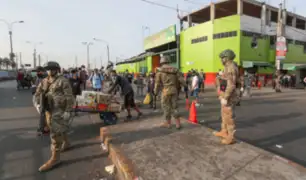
point(87, 44)
point(10, 29)
point(107, 47)
point(144, 28)
point(34, 44)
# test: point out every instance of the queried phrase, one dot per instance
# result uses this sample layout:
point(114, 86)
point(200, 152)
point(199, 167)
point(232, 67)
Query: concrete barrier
point(7, 75)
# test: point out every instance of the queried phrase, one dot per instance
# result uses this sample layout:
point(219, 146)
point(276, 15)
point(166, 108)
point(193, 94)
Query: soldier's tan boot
point(229, 139)
point(222, 133)
point(166, 124)
point(66, 144)
point(178, 123)
point(54, 160)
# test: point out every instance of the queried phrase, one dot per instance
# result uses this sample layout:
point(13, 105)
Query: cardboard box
point(103, 98)
point(85, 102)
point(89, 95)
point(113, 107)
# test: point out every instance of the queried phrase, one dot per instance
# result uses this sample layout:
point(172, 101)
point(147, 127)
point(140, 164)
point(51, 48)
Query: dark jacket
point(129, 77)
point(124, 84)
point(75, 85)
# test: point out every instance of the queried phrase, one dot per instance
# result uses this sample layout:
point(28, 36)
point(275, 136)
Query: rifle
point(154, 100)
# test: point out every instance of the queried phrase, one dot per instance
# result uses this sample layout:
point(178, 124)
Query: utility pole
point(10, 32)
point(34, 44)
point(39, 60)
point(20, 59)
point(87, 44)
point(34, 58)
point(108, 57)
point(101, 61)
point(280, 33)
point(17, 63)
point(76, 61)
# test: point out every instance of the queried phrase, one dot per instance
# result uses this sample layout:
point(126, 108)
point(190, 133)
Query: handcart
point(106, 114)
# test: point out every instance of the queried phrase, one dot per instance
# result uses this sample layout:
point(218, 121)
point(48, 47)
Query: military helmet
point(52, 65)
point(227, 54)
point(164, 59)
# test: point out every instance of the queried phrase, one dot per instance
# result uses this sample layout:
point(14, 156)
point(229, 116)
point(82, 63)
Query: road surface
point(22, 152)
point(274, 122)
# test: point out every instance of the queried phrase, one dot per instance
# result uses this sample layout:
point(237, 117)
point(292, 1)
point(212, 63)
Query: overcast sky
point(63, 24)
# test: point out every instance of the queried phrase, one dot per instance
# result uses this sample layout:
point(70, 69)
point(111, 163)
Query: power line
point(165, 6)
point(195, 2)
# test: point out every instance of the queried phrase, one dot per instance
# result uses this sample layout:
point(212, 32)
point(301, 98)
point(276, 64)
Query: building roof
point(203, 11)
point(134, 59)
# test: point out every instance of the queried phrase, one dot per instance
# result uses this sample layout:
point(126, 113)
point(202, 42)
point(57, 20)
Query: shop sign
point(189, 63)
point(281, 48)
point(163, 37)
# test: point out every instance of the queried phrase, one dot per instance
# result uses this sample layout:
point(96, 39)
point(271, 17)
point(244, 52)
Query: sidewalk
point(191, 153)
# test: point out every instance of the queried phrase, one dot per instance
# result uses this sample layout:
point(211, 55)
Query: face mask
point(114, 78)
point(223, 60)
point(49, 72)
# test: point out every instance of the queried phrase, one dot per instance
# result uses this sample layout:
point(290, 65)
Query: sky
point(62, 26)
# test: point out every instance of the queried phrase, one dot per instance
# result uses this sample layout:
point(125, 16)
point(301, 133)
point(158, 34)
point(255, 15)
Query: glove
point(223, 101)
point(66, 116)
point(241, 89)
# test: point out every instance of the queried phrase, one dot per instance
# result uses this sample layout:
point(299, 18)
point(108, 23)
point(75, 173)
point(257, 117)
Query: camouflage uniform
point(228, 97)
point(41, 88)
point(240, 85)
point(169, 77)
point(60, 101)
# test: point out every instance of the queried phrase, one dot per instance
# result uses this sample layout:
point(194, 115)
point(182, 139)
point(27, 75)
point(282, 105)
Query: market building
point(233, 24)
point(162, 43)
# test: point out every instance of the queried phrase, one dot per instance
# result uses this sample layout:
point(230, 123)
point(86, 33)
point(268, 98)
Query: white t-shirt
point(195, 82)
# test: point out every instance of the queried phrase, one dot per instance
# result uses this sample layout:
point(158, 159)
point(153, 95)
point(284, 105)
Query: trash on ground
point(110, 169)
point(279, 146)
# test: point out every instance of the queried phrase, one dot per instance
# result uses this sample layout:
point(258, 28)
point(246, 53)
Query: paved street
point(22, 152)
point(274, 122)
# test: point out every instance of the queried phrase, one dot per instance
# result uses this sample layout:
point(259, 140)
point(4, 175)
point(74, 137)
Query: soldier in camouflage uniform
point(240, 84)
point(228, 97)
point(60, 100)
point(170, 78)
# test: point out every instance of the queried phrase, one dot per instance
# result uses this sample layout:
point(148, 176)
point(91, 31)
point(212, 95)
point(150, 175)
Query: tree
point(13, 64)
point(6, 62)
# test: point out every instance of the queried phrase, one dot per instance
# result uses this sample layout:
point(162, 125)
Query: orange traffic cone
point(259, 85)
point(193, 113)
point(187, 104)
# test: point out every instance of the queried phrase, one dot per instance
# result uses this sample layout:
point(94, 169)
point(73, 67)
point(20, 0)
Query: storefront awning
point(250, 64)
point(293, 67)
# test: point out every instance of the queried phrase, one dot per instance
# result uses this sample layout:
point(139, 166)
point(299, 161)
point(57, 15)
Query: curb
point(124, 167)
